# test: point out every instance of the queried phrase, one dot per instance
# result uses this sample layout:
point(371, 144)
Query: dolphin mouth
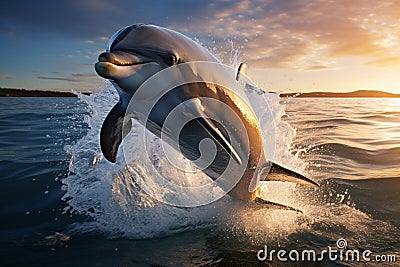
point(124, 58)
point(113, 64)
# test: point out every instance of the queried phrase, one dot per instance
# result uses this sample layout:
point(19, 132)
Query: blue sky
point(288, 45)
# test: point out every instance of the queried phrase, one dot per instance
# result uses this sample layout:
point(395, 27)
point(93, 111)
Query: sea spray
point(109, 195)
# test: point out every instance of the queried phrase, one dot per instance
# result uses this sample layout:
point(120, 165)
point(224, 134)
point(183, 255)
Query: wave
point(388, 117)
point(376, 197)
point(334, 122)
point(390, 156)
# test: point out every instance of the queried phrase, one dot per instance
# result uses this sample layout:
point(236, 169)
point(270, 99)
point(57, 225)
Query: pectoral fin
point(282, 174)
point(214, 131)
point(263, 202)
point(114, 128)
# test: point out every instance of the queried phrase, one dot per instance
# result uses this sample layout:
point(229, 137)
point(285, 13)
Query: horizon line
point(356, 93)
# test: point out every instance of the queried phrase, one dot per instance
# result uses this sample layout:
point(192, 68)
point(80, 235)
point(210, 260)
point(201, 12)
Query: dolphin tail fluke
point(264, 202)
point(282, 174)
point(114, 128)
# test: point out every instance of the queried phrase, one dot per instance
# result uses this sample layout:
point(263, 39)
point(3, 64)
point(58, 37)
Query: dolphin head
point(130, 59)
point(137, 52)
point(133, 55)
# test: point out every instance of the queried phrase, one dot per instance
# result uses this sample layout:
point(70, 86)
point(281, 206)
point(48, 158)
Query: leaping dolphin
point(137, 52)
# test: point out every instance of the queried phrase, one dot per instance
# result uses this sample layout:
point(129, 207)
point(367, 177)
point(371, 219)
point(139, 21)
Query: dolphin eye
point(173, 60)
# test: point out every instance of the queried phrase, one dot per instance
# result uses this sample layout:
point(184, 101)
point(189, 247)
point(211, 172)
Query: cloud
point(76, 81)
point(318, 67)
point(72, 18)
point(4, 76)
point(294, 34)
point(56, 78)
point(92, 19)
point(74, 77)
point(389, 62)
point(302, 34)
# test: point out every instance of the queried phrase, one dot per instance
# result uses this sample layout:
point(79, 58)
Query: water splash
point(108, 194)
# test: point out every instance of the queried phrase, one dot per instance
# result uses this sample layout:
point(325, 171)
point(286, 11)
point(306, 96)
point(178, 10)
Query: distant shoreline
point(11, 92)
point(356, 94)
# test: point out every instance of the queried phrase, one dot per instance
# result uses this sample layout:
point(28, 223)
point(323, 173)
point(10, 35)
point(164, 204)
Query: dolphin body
point(137, 52)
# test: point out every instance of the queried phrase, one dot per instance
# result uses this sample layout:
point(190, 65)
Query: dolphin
point(136, 53)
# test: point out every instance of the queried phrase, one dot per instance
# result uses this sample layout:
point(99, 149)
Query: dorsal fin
point(241, 70)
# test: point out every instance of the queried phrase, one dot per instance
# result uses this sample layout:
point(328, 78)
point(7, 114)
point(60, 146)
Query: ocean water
point(62, 204)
